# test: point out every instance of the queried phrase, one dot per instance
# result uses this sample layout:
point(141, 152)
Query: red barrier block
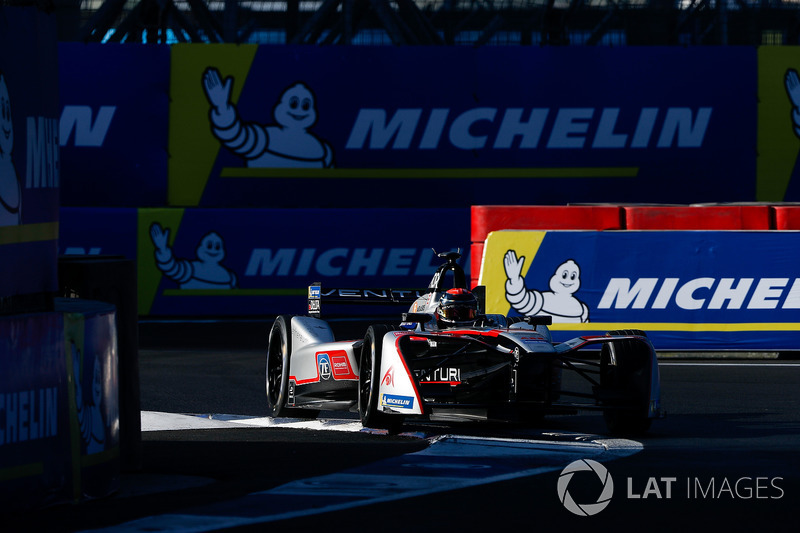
point(475, 258)
point(712, 217)
point(488, 218)
point(787, 216)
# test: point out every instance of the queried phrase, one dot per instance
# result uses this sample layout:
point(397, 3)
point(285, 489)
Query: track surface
point(726, 457)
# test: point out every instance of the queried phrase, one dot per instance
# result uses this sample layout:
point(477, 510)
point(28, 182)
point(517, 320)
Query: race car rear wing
point(450, 269)
point(317, 295)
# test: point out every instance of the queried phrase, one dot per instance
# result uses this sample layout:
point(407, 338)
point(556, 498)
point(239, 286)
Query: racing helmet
point(457, 307)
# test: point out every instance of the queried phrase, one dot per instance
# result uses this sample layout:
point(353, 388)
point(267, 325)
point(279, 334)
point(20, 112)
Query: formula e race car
point(447, 360)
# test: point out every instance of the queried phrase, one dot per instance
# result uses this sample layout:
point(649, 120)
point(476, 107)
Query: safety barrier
point(486, 219)
point(786, 217)
point(59, 403)
point(678, 272)
point(699, 217)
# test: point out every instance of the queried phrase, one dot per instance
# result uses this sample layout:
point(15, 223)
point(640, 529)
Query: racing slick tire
point(369, 382)
point(625, 372)
point(279, 354)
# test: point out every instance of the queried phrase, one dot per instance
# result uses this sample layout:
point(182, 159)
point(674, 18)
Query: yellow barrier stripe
point(45, 231)
point(427, 173)
point(677, 326)
point(20, 471)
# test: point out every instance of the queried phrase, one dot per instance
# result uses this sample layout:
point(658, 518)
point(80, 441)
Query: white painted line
point(156, 421)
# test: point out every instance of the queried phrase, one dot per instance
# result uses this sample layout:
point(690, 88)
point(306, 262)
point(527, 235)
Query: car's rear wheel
point(369, 381)
point(625, 381)
point(279, 354)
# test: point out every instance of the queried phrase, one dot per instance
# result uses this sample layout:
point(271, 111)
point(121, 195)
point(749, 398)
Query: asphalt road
point(726, 456)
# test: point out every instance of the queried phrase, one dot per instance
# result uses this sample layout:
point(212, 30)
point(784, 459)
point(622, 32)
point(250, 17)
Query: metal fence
point(430, 22)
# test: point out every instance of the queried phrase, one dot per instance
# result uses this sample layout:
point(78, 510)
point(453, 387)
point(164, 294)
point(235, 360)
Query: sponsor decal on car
point(314, 291)
point(324, 364)
point(341, 367)
point(531, 338)
point(388, 377)
point(401, 402)
point(442, 375)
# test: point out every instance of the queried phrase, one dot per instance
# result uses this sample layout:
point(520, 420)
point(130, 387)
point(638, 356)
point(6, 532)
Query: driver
point(457, 308)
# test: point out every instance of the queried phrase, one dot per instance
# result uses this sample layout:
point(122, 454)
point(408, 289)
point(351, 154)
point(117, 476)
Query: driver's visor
point(458, 313)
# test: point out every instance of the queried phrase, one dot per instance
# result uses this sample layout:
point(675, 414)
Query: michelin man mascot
point(205, 272)
point(89, 410)
point(10, 193)
point(288, 143)
point(559, 302)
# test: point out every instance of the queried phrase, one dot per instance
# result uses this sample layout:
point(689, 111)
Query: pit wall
point(696, 278)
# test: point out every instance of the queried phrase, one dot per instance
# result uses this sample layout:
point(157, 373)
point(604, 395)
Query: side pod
point(398, 391)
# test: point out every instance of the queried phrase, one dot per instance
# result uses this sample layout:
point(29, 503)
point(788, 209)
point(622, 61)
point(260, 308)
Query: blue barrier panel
point(29, 165)
point(98, 231)
point(90, 347)
point(59, 405)
point(34, 412)
point(260, 261)
point(240, 262)
point(113, 128)
point(689, 290)
point(275, 126)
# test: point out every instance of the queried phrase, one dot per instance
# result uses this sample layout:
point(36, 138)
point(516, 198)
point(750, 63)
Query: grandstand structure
point(430, 22)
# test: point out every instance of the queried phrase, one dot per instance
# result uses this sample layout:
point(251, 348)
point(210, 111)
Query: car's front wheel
point(279, 355)
point(277, 375)
point(369, 381)
point(625, 367)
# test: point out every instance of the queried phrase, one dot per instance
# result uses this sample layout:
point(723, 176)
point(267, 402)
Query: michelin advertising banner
point(431, 127)
point(239, 262)
point(59, 405)
point(113, 124)
point(29, 163)
point(681, 127)
point(34, 412)
point(689, 290)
